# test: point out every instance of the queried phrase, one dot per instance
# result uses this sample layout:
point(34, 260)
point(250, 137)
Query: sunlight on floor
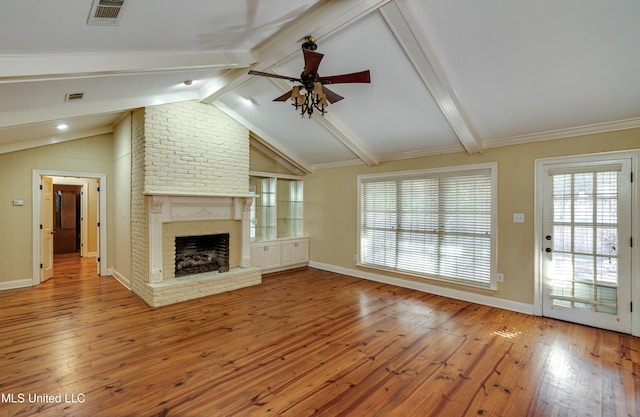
point(506, 334)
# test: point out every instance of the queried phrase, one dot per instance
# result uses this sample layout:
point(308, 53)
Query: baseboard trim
point(284, 268)
point(429, 288)
point(17, 283)
point(126, 282)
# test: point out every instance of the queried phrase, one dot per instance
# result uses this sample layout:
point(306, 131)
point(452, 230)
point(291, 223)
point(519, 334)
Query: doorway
point(67, 219)
point(584, 240)
point(69, 216)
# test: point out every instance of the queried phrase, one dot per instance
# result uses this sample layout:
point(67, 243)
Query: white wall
point(121, 260)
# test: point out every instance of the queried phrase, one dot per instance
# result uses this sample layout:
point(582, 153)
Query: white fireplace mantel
point(175, 207)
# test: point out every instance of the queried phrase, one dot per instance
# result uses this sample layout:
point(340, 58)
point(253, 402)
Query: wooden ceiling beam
point(415, 44)
point(17, 68)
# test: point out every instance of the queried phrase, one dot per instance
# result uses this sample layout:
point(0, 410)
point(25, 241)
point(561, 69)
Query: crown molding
point(564, 133)
point(422, 153)
point(392, 157)
point(338, 164)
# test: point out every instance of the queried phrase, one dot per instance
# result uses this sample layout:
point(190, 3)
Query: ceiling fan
point(312, 94)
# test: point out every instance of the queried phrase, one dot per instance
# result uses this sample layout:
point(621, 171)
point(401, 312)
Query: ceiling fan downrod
point(310, 43)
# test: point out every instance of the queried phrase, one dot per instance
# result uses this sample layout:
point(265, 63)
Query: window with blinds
point(433, 223)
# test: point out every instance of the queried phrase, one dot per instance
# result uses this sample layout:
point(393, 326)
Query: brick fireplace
point(190, 177)
point(171, 216)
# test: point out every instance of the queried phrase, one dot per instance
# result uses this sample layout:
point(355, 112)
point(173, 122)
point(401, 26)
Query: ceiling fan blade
point(266, 74)
point(311, 62)
point(286, 96)
point(331, 96)
point(354, 77)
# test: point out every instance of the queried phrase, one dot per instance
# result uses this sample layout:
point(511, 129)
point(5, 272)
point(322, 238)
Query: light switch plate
point(518, 217)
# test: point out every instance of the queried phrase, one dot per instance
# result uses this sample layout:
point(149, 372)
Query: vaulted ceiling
point(446, 76)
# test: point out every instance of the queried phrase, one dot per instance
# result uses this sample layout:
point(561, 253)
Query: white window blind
point(435, 224)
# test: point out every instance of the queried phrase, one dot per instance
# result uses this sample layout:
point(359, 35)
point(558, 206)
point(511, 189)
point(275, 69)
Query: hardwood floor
point(304, 343)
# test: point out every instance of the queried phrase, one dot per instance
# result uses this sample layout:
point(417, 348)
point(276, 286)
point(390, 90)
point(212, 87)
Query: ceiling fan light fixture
point(312, 99)
point(315, 96)
point(295, 93)
point(317, 90)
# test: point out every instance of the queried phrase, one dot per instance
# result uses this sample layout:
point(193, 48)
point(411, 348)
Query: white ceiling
point(445, 75)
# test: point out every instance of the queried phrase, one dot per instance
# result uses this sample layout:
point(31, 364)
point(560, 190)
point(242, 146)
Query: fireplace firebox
point(199, 254)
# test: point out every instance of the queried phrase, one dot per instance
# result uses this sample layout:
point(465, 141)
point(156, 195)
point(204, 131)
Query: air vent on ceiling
point(105, 12)
point(73, 96)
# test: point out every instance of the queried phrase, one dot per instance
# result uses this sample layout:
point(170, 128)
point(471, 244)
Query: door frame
point(540, 165)
point(37, 203)
point(84, 208)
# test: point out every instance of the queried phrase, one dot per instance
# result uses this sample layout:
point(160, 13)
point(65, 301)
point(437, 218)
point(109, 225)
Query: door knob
point(548, 250)
point(548, 237)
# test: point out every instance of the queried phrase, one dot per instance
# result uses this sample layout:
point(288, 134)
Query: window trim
point(437, 172)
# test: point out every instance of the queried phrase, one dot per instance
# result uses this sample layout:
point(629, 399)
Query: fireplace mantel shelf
point(183, 194)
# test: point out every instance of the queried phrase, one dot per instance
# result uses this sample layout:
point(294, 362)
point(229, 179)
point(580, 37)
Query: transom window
point(433, 223)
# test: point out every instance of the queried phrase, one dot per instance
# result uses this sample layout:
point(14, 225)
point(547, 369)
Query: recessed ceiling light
point(249, 101)
point(62, 126)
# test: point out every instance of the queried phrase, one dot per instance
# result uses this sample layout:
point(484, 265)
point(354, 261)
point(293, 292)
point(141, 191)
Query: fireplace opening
point(204, 253)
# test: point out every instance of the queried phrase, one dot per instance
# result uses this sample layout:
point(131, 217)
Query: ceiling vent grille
point(73, 96)
point(105, 12)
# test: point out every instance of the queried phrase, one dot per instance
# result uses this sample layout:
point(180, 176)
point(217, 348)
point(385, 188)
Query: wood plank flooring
point(304, 343)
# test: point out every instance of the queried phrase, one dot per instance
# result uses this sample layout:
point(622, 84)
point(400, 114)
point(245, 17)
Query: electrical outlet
point(500, 277)
point(355, 258)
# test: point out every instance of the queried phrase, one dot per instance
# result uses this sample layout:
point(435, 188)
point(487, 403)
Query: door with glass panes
point(586, 243)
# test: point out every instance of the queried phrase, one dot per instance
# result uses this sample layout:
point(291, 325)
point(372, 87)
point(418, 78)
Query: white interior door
point(98, 227)
point(46, 229)
point(586, 243)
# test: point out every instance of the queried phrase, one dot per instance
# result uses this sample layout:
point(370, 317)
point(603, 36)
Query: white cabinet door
point(266, 255)
point(257, 255)
point(302, 250)
point(295, 251)
point(272, 255)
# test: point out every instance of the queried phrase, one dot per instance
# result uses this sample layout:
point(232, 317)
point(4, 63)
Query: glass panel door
point(586, 244)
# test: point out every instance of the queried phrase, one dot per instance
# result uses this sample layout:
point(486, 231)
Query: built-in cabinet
point(280, 253)
point(277, 222)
